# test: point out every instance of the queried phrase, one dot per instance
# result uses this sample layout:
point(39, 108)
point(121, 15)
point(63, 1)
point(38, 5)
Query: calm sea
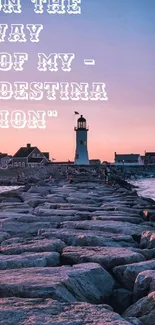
point(146, 187)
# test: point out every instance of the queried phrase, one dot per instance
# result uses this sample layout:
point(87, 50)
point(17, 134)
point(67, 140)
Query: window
point(82, 125)
point(33, 155)
point(15, 164)
point(23, 164)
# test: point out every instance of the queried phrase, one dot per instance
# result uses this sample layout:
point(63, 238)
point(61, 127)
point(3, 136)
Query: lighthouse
point(81, 153)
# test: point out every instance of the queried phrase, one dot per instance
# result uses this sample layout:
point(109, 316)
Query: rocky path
point(77, 254)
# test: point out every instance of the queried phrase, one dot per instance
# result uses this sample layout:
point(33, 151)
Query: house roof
point(94, 160)
point(2, 155)
point(46, 154)
point(81, 119)
point(127, 157)
point(23, 152)
point(149, 154)
point(35, 160)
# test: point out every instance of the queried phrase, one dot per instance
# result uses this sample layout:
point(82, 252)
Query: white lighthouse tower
point(81, 153)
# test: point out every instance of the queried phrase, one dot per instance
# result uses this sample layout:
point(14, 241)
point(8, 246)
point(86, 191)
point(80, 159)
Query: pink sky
point(119, 35)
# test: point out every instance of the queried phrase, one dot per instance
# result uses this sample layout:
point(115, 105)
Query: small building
point(62, 163)
point(105, 162)
point(143, 159)
point(4, 160)
point(30, 157)
point(95, 162)
point(149, 158)
point(128, 160)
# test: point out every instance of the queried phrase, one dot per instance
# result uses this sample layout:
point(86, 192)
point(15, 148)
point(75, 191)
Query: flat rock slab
point(133, 220)
point(16, 311)
point(15, 227)
point(108, 257)
point(85, 282)
point(60, 212)
point(111, 226)
point(75, 237)
point(147, 239)
point(26, 260)
point(126, 274)
point(147, 253)
point(64, 232)
point(13, 215)
point(13, 246)
point(51, 218)
point(144, 284)
point(13, 205)
point(67, 206)
point(42, 190)
point(81, 201)
point(143, 309)
point(133, 321)
point(102, 212)
point(33, 201)
point(128, 209)
point(19, 210)
point(3, 236)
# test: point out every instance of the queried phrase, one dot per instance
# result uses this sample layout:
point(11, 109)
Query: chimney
point(28, 145)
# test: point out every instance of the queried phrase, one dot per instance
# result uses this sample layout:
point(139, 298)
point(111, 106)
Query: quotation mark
point(52, 113)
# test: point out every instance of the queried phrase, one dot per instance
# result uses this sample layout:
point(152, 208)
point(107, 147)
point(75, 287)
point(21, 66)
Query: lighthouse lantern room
point(81, 153)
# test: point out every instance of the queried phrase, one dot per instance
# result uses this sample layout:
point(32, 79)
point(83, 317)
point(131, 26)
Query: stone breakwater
point(77, 254)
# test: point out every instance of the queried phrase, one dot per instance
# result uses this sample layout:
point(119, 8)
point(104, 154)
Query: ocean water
point(8, 188)
point(146, 187)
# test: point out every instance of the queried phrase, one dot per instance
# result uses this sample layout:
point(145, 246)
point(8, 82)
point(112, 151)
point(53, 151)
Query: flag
point(76, 113)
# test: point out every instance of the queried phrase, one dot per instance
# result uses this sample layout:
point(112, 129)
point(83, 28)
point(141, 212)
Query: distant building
point(4, 160)
point(149, 158)
point(128, 159)
point(66, 163)
point(106, 163)
point(30, 157)
point(95, 162)
point(143, 159)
